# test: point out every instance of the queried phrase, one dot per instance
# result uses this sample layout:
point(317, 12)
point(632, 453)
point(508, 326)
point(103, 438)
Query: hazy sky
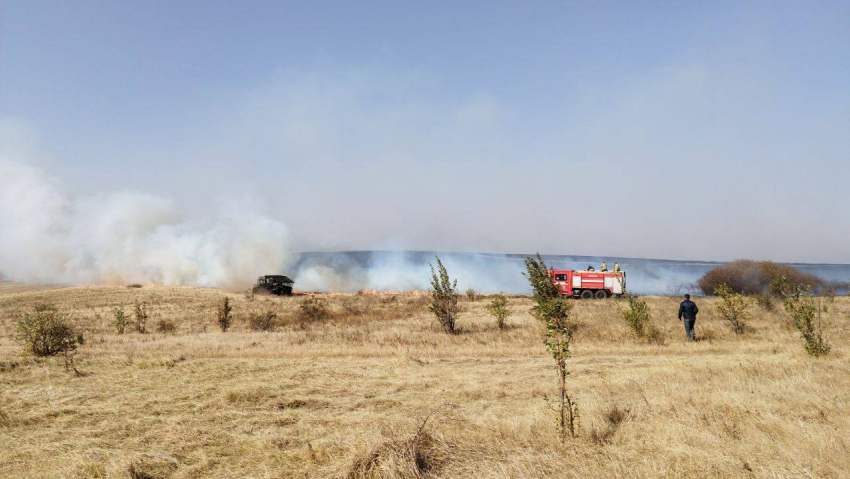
point(651, 129)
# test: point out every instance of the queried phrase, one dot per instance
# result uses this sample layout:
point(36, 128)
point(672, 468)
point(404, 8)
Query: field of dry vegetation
point(347, 396)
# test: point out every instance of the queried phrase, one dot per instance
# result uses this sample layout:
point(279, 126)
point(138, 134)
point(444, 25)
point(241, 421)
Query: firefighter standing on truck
point(616, 267)
point(603, 266)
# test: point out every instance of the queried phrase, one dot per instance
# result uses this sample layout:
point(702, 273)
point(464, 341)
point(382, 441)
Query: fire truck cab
point(589, 284)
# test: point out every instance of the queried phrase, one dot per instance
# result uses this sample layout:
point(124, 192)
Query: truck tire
point(601, 294)
point(587, 294)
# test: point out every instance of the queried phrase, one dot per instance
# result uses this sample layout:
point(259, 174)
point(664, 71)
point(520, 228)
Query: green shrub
point(313, 309)
point(223, 314)
point(733, 308)
point(262, 321)
point(498, 308)
point(120, 320)
point(780, 287)
point(801, 306)
point(444, 297)
point(637, 316)
point(46, 331)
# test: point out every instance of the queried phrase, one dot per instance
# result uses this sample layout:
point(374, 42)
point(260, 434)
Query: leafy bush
point(120, 320)
point(498, 308)
point(444, 297)
point(733, 308)
point(801, 306)
point(262, 321)
point(754, 277)
point(471, 294)
point(223, 314)
point(141, 310)
point(313, 309)
point(637, 316)
point(46, 331)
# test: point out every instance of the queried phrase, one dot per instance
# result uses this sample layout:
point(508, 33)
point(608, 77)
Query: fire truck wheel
point(587, 294)
point(601, 294)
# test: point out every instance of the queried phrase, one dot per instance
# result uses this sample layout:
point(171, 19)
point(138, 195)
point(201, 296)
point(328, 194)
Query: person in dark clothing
point(688, 313)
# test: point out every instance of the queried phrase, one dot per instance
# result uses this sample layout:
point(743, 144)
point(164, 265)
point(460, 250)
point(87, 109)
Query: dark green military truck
point(278, 285)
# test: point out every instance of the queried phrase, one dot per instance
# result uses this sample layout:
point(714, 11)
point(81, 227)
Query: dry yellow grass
point(347, 397)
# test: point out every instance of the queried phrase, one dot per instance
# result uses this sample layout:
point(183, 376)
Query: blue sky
point(715, 130)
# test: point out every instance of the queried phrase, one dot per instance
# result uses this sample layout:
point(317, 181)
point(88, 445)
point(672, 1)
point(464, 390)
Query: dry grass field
point(347, 397)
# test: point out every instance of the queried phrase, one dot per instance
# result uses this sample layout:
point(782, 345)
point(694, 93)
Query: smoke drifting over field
point(131, 237)
point(49, 236)
point(405, 271)
point(487, 273)
point(127, 237)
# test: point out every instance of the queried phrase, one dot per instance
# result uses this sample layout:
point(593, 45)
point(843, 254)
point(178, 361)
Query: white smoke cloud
point(408, 271)
point(47, 236)
point(388, 271)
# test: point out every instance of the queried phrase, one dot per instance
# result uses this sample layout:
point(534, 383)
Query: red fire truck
point(589, 284)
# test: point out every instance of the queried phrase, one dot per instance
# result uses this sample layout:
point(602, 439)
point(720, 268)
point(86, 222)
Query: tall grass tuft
point(314, 309)
point(223, 317)
point(420, 456)
point(614, 417)
point(166, 326)
point(141, 310)
point(262, 321)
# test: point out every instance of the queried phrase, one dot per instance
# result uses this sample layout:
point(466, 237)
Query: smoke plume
point(406, 271)
point(46, 236)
